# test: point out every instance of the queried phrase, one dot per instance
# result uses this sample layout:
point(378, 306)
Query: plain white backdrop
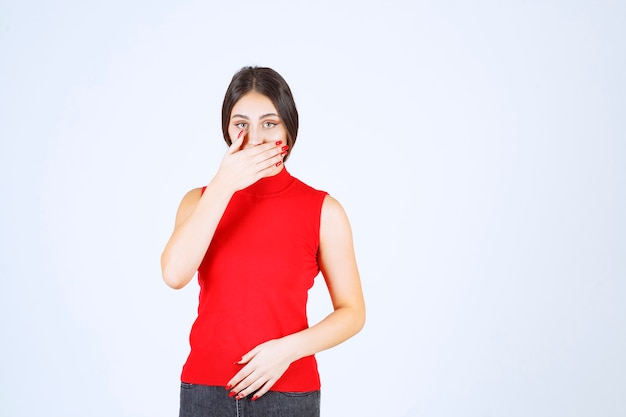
point(478, 148)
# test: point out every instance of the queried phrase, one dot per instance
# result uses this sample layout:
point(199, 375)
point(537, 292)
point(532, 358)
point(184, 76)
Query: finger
point(270, 166)
point(273, 155)
point(238, 378)
point(277, 154)
point(248, 356)
point(249, 385)
point(265, 388)
point(236, 144)
point(245, 371)
point(238, 388)
point(264, 151)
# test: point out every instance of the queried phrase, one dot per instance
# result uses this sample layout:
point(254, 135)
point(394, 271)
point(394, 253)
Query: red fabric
point(254, 281)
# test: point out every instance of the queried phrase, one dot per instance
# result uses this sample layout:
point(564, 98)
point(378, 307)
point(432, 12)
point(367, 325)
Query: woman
point(258, 237)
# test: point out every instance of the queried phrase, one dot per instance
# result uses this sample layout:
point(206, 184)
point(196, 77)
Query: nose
point(254, 137)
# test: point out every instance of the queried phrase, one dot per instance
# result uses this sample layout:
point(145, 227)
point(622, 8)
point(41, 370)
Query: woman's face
point(256, 115)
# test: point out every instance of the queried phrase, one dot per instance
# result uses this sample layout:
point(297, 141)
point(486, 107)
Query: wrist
point(293, 346)
point(221, 188)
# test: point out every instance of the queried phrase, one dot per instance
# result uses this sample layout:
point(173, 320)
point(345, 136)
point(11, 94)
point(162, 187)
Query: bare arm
point(199, 214)
point(196, 221)
point(266, 363)
point(338, 264)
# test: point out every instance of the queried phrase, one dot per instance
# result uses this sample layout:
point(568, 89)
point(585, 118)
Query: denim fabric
point(210, 401)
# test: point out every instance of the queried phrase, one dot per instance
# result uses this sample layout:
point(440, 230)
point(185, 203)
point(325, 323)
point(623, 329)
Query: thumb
point(236, 144)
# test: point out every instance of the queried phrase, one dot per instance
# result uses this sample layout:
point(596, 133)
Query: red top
point(254, 281)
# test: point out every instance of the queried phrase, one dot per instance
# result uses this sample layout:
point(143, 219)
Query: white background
point(478, 148)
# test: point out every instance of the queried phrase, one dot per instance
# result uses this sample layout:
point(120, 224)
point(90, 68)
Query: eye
point(269, 125)
point(241, 125)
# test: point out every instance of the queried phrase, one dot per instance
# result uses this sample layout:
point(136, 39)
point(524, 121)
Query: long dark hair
point(268, 82)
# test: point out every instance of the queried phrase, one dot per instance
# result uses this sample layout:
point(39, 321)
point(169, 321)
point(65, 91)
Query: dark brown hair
point(268, 82)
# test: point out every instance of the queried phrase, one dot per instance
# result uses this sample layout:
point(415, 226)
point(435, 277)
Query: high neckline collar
point(271, 185)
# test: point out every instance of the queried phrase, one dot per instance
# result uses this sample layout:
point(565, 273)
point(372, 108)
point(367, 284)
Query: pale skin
point(258, 147)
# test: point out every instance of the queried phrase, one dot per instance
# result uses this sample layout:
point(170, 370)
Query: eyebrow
point(241, 116)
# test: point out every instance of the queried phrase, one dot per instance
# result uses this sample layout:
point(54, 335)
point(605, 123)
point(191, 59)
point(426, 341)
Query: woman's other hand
point(263, 366)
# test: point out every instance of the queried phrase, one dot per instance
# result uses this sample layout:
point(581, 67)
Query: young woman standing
point(258, 237)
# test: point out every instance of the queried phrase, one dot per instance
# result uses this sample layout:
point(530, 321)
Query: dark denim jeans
point(209, 401)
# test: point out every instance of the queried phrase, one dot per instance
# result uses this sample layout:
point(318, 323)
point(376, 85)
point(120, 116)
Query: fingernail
point(256, 397)
point(240, 133)
point(232, 394)
point(278, 163)
point(279, 142)
point(283, 153)
point(284, 148)
point(228, 387)
point(239, 397)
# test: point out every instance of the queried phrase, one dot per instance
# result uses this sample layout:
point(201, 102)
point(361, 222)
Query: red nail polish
point(284, 148)
point(278, 163)
point(256, 397)
point(240, 133)
point(279, 142)
point(232, 394)
point(239, 396)
point(228, 387)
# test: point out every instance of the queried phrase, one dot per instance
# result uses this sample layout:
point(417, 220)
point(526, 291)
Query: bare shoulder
point(334, 219)
point(188, 204)
point(192, 196)
point(331, 207)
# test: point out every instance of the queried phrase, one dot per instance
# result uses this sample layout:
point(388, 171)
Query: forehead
point(253, 103)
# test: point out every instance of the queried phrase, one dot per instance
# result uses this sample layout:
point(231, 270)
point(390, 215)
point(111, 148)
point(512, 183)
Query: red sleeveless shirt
point(254, 281)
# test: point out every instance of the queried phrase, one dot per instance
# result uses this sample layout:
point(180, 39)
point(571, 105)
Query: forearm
point(337, 327)
point(191, 238)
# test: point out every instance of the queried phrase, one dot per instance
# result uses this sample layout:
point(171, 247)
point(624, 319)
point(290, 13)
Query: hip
point(213, 401)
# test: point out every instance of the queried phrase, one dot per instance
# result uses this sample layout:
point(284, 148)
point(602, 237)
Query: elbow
point(173, 283)
point(359, 321)
point(356, 321)
point(354, 318)
point(360, 315)
point(172, 278)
